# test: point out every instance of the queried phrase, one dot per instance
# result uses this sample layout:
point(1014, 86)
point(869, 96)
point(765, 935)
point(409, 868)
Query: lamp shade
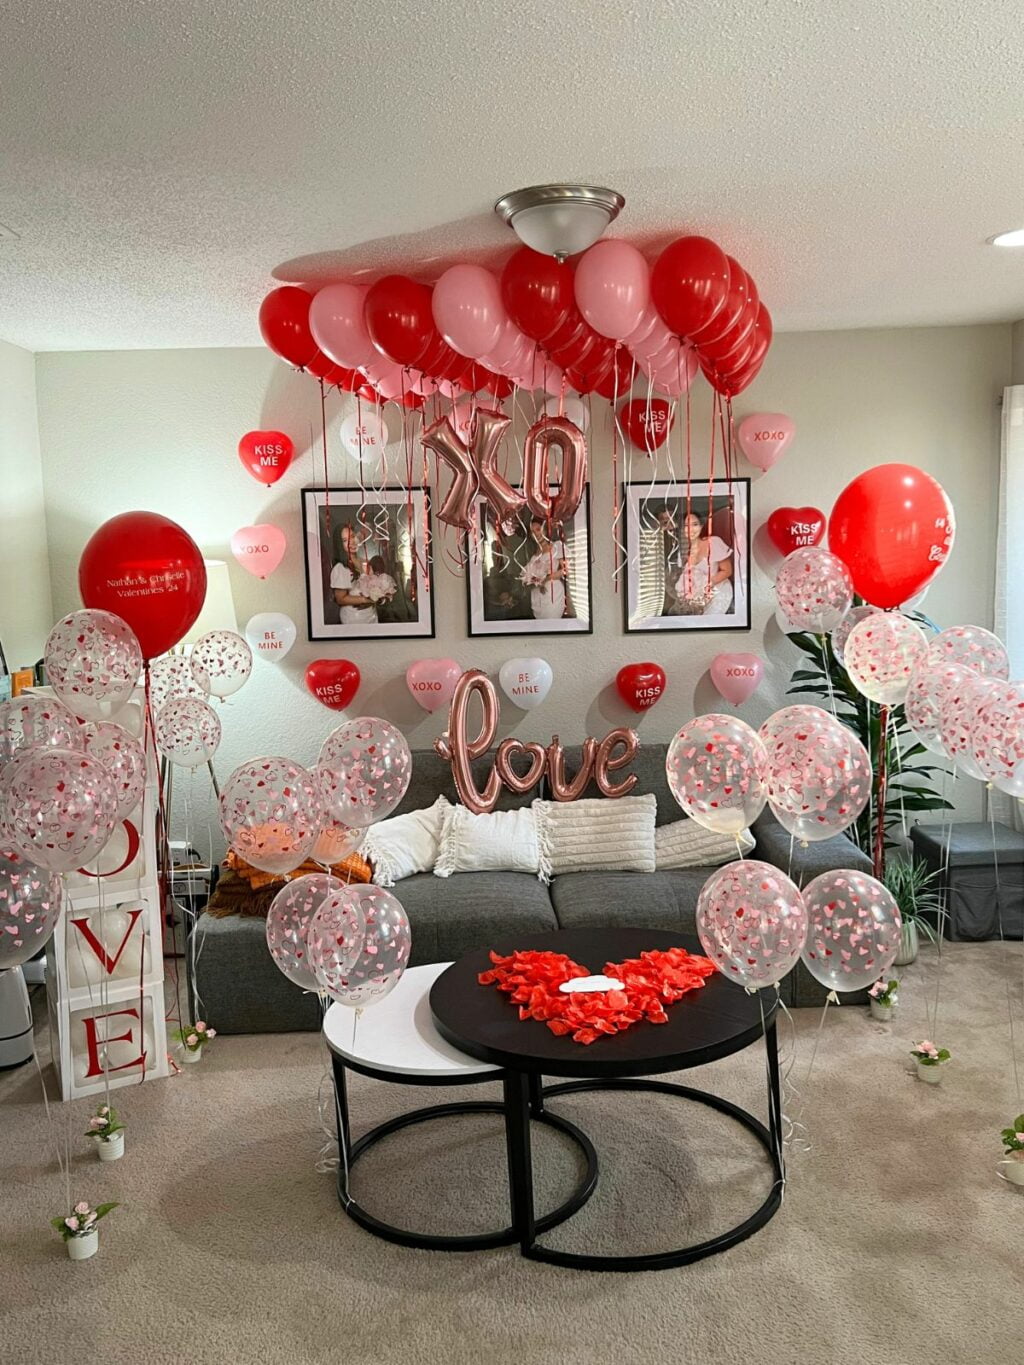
point(218, 611)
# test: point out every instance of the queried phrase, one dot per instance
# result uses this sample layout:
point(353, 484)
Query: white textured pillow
point(503, 841)
point(405, 844)
point(583, 836)
point(684, 843)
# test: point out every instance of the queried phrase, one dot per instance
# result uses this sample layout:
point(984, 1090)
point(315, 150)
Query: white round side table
point(396, 1041)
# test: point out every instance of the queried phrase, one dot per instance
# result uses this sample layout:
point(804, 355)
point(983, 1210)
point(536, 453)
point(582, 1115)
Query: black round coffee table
point(705, 1025)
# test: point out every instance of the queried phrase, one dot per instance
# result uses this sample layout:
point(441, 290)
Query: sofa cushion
point(451, 915)
point(432, 777)
point(612, 900)
point(238, 988)
point(649, 766)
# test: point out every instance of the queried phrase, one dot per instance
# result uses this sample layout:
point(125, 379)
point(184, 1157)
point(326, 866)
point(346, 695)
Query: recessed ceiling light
point(1015, 237)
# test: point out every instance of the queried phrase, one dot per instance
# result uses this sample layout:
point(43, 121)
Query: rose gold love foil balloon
point(752, 922)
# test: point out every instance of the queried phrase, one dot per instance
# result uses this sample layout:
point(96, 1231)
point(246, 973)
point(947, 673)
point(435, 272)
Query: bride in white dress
point(545, 574)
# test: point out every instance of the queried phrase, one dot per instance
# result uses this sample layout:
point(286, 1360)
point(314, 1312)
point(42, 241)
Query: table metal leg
point(520, 1167)
point(344, 1131)
point(774, 1098)
point(536, 1094)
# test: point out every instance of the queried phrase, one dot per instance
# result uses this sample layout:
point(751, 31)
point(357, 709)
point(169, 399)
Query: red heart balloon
point(640, 685)
point(333, 682)
point(647, 424)
point(792, 527)
point(266, 454)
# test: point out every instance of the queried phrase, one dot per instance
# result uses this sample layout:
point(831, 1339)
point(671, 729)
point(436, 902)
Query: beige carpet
point(896, 1241)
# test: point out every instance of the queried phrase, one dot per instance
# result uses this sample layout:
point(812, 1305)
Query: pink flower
point(105, 1109)
point(200, 1026)
point(925, 1046)
point(83, 1207)
point(97, 1122)
point(71, 1223)
point(90, 1220)
point(191, 1040)
point(877, 989)
point(211, 1033)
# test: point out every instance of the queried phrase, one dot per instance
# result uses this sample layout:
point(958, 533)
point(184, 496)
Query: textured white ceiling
point(160, 160)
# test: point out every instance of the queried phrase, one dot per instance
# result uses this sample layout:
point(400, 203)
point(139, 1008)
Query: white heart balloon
point(526, 682)
point(270, 634)
point(365, 441)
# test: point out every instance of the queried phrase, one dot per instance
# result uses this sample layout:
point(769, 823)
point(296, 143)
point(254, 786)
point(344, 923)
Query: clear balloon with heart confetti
point(364, 769)
point(383, 950)
point(28, 722)
point(93, 663)
point(188, 731)
point(271, 813)
point(818, 774)
point(59, 807)
point(221, 662)
point(814, 589)
point(997, 738)
point(715, 767)
point(881, 653)
point(971, 647)
point(288, 920)
point(752, 922)
point(31, 900)
point(853, 930)
point(124, 759)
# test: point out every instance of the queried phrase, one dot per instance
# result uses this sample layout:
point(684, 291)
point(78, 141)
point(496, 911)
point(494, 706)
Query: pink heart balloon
point(259, 549)
point(764, 436)
point(737, 676)
point(432, 681)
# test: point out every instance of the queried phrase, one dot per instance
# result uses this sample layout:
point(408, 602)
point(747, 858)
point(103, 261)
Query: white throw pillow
point(685, 843)
point(502, 841)
point(614, 833)
point(405, 844)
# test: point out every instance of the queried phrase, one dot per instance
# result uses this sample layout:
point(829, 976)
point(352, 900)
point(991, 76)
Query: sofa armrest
point(804, 862)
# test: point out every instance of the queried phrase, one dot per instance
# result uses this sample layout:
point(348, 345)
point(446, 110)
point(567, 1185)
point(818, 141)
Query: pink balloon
point(59, 807)
point(259, 549)
point(432, 681)
point(468, 310)
point(613, 288)
point(336, 321)
point(764, 437)
point(752, 922)
point(737, 676)
point(650, 337)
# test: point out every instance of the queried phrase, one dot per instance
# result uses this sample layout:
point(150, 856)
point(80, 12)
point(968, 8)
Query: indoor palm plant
point(1012, 1164)
point(912, 888)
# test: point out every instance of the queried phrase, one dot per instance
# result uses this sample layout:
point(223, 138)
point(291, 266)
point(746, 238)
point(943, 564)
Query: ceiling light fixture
point(1015, 237)
point(559, 220)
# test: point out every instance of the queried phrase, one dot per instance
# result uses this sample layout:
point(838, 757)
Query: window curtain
point(1009, 602)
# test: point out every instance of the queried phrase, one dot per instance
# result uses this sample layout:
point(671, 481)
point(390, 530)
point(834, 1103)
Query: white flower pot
point(909, 943)
point(1012, 1166)
point(931, 1075)
point(81, 1248)
point(191, 1057)
point(883, 1013)
point(111, 1148)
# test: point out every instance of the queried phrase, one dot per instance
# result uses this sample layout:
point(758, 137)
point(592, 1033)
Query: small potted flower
point(884, 1000)
point(108, 1132)
point(193, 1038)
point(929, 1060)
point(1012, 1164)
point(79, 1231)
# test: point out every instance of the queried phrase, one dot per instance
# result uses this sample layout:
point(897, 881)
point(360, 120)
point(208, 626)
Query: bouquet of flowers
point(926, 1053)
point(193, 1036)
point(377, 587)
point(81, 1220)
point(104, 1123)
point(534, 575)
point(884, 993)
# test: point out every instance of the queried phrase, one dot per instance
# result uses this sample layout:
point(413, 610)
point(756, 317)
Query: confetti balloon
point(30, 905)
point(221, 662)
point(29, 722)
point(171, 676)
point(383, 952)
point(841, 633)
point(881, 653)
point(818, 773)
point(997, 737)
point(751, 922)
point(124, 759)
point(334, 939)
point(714, 767)
point(853, 930)
point(814, 589)
point(930, 685)
point(270, 813)
point(336, 842)
point(59, 807)
point(93, 662)
point(971, 647)
point(187, 731)
point(288, 920)
point(957, 715)
point(364, 768)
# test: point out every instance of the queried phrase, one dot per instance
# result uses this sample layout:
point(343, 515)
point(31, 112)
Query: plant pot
point(111, 1148)
point(190, 1056)
point(81, 1248)
point(931, 1075)
point(1012, 1166)
point(883, 1013)
point(910, 943)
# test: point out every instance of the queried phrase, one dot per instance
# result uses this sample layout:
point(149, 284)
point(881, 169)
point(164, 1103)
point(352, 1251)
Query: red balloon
point(791, 528)
point(351, 381)
point(738, 297)
point(619, 379)
point(893, 528)
point(646, 424)
point(733, 378)
point(284, 325)
point(150, 572)
point(319, 366)
point(690, 284)
point(266, 454)
point(333, 682)
point(399, 319)
point(538, 293)
point(640, 685)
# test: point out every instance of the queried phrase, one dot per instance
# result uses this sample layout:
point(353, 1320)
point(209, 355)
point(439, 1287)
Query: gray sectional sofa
point(241, 991)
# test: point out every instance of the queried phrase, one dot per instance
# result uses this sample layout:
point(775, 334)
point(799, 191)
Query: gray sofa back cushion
point(432, 777)
point(649, 766)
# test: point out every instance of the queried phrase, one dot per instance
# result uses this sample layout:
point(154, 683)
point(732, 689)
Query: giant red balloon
point(400, 320)
point(284, 325)
point(893, 528)
point(538, 293)
point(690, 284)
point(147, 570)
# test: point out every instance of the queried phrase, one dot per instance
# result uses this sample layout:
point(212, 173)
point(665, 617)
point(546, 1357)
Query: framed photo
point(687, 555)
point(366, 572)
point(533, 579)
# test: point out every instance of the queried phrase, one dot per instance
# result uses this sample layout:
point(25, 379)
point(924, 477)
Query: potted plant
point(193, 1038)
point(929, 1060)
point(108, 1132)
point(79, 1231)
point(884, 999)
point(912, 888)
point(1012, 1164)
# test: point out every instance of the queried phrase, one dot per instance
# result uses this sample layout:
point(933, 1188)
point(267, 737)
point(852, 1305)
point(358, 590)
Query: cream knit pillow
point(405, 844)
point(685, 843)
point(501, 841)
point(583, 836)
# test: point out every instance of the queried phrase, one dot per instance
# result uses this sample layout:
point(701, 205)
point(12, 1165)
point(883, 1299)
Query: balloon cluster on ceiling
point(542, 325)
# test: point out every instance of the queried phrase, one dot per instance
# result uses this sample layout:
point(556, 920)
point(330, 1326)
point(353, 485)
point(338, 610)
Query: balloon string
point(881, 782)
point(946, 834)
point(775, 1117)
point(826, 669)
point(323, 443)
point(1002, 940)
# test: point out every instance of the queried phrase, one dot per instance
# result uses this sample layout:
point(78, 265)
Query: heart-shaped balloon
point(791, 527)
point(270, 634)
point(526, 682)
point(333, 682)
point(764, 436)
point(432, 681)
point(266, 454)
point(647, 424)
point(640, 685)
point(259, 549)
point(737, 676)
